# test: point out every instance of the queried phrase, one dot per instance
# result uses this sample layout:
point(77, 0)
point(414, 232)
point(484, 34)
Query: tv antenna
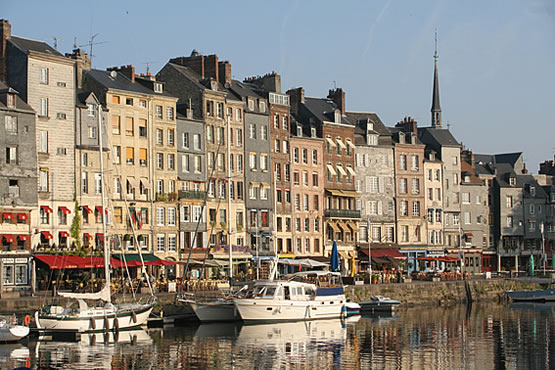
point(91, 43)
point(55, 39)
point(148, 64)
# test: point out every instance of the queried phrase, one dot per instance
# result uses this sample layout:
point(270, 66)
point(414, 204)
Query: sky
point(496, 57)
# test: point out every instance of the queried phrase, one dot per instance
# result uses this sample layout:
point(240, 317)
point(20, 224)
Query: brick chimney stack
point(269, 82)
point(205, 66)
point(338, 96)
point(82, 65)
point(128, 71)
point(5, 34)
point(297, 98)
point(224, 72)
point(408, 124)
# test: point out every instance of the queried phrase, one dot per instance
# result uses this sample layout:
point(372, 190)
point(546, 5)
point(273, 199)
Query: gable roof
point(19, 103)
point(119, 82)
point(437, 137)
point(323, 110)
point(510, 158)
point(27, 45)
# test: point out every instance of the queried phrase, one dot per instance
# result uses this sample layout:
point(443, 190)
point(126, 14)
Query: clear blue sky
point(497, 58)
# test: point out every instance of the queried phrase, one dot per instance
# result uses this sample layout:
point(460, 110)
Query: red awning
point(76, 262)
point(46, 234)
point(468, 235)
point(64, 210)
point(7, 216)
point(9, 238)
point(23, 237)
point(100, 236)
point(46, 209)
point(161, 263)
point(99, 209)
point(439, 259)
point(87, 235)
point(89, 211)
point(64, 234)
point(386, 252)
point(22, 216)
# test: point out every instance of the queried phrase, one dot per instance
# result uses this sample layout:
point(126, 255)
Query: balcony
point(344, 213)
point(191, 194)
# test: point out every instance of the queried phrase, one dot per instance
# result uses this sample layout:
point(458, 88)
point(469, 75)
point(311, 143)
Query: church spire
point(436, 109)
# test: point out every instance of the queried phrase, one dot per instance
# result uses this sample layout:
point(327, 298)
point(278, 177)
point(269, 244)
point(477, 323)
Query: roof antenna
point(74, 43)
point(334, 85)
point(56, 42)
point(91, 43)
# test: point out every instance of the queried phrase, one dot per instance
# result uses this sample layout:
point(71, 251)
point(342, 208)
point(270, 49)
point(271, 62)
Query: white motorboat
point(222, 309)
point(352, 308)
point(104, 316)
point(305, 296)
point(379, 303)
point(10, 331)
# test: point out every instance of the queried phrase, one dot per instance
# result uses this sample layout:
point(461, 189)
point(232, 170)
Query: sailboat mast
point(102, 187)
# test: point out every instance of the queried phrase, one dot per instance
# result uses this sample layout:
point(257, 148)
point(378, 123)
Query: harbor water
point(482, 336)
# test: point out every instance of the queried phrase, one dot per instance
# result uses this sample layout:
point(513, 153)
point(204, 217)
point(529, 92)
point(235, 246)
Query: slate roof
point(19, 103)
point(323, 110)
point(437, 137)
point(27, 45)
point(360, 120)
point(120, 82)
point(468, 169)
point(395, 136)
point(510, 158)
point(242, 89)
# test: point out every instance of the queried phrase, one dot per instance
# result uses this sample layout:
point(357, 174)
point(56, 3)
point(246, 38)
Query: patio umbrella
point(334, 258)
point(531, 265)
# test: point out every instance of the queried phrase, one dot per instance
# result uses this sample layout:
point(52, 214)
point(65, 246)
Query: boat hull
point(378, 306)
point(540, 295)
point(12, 333)
point(94, 322)
point(289, 310)
point(215, 311)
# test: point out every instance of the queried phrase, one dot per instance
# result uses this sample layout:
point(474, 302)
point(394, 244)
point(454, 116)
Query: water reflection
point(483, 336)
point(14, 355)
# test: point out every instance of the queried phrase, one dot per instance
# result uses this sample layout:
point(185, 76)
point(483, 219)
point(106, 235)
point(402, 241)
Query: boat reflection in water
point(13, 355)
point(94, 350)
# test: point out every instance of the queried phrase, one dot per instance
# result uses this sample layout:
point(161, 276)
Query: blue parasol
point(531, 265)
point(334, 258)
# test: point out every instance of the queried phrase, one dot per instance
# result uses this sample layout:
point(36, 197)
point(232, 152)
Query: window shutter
point(380, 184)
point(380, 206)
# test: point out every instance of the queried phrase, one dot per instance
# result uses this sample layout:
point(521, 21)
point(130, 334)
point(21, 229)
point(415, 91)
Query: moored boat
point(305, 296)
point(10, 331)
point(352, 308)
point(539, 295)
point(379, 303)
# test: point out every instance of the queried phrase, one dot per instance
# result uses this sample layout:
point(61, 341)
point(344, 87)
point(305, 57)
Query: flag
point(139, 221)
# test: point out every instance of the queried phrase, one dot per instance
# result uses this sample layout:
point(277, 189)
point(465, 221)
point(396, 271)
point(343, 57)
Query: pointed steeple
point(436, 109)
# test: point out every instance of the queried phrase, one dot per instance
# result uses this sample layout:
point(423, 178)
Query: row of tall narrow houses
point(197, 165)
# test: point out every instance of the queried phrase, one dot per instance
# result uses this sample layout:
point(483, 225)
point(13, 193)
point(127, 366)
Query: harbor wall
point(440, 292)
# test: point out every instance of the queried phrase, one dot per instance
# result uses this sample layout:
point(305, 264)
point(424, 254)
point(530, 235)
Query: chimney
point(211, 67)
point(128, 71)
point(297, 98)
point(269, 82)
point(338, 96)
point(5, 34)
point(224, 72)
point(82, 65)
point(205, 66)
point(408, 124)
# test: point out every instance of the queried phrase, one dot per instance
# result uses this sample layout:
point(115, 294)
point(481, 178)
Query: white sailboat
point(102, 317)
point(10, 331)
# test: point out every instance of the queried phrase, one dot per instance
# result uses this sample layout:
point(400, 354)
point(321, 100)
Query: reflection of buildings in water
point(14, 355)
point(218, 330)
point(290, 341)
point(93, 350)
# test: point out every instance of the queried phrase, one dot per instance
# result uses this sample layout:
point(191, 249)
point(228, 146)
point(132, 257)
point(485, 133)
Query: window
point(532, 209)
point(277, 146)
point(252, 131)
point(11, 155)
point(465, 198)
point(403, 208)
point(44, 76)
point(239, 137)
point(43, 180)
point(117, 186)
point(252, 161)
point(467, 218)
point(159, 136)
point(130, 155)
point(159, 161)
point(11, 124)
point(171, 161)
point(171, 216)
point(456, 219)
point(415, 186)
point(85, 182)
point(252, 191)
point(196, 142)
point(116, 125)
point(129, 126)
point(416, 208)
point(264, 132)
point(509, 201)
point(160, 216)
point(172, 243)
point(438, 175)
point(402, 162)
point(296, 155)
point(314, 157)
point(185, 140)
point(97, 183)
point(285, 146)
point(115, 99)
point(142, 157)
point(171, 137)
point(531, 225)
point(43, 142)
point(169, 113)
point(403, 186)
point(263, 193)
point(210, 134)
point(414, 163)
point(159, 112)
point(117, 154)
point(160, 243)
point(404, 233)
point(92, 132)
point(43, 107)
point(264, 161)
point(314, 179)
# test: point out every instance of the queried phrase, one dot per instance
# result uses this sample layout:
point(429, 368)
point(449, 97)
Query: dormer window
point(372, 140)
point(299, 130)
point(512, 181)
point(532, 191)
point(10, 100)
point(91, 110)
point(313, 132)
point(262, 106)
point(401, 138)
point(337, 116)
point(370, 126)
point(251, 104)
point(158, 87)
